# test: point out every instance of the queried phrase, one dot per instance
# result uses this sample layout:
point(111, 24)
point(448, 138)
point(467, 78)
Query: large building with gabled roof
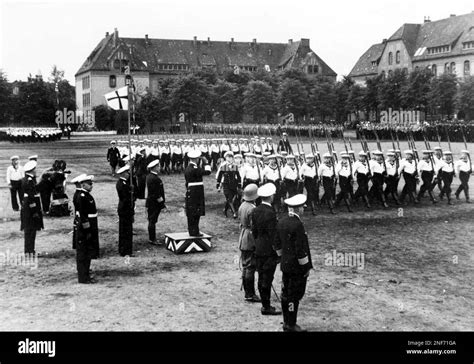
point(151, 60)
point(445, 45)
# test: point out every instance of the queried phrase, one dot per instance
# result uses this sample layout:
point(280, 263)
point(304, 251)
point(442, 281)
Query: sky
point(35, 34)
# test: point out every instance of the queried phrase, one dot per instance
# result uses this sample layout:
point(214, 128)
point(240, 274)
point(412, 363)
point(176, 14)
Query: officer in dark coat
point(228, 177)
point(141, 172)
point(284, 145)
point(113, 156)
point(155, 201)
point(293, 248)
point(125, 211)
point(75, 199)
point(31, 215)
point(264, 221)
point(87, 241)
point(195, 206)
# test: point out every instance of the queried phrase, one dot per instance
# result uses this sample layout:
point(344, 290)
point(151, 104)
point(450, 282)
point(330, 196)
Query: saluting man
point(155, 201)
point(125, 211)
point(264, 220)
point(195, 206)
point(87, 243)
point(31, 215)
point(292, 246)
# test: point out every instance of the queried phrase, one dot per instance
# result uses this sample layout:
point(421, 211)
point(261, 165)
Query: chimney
point(147, 40)
point(304, 42)
point(208, 41)
point(254, 40)
point(116, 35)
point(195, 41)
point(106, 34)
point(384, 40)
point(290, 41)
point(427, 19)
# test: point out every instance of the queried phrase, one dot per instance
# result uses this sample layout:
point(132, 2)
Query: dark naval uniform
point(292, 245)
point(195, 206)
point(31, 215)
point(87, 241)
point(75, 203)
point(155, 202)
point(264, 221)
point(140, 173)
point(113, 156)
point(229, 178)
point(126, 212)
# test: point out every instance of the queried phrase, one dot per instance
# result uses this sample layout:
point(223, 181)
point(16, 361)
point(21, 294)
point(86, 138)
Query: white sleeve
point(9, 171)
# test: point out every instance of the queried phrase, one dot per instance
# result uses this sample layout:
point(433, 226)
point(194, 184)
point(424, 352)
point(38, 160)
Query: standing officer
point(228, 177)
point(75, 204)
point(155, 201)
point(195, 206)
point(293, 248)
point(140, 173)
point(15, 174)
point(247, 242)
point(125, 211)
point(264, 221)
point(113, 156)
point(284, 145)
point(87, 240)
point(31, 215)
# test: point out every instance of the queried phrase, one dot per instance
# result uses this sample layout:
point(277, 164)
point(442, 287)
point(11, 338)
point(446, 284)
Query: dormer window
point(441, 49)
point(468, 45)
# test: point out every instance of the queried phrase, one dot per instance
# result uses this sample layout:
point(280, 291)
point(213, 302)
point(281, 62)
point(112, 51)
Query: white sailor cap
point(76, 179)
point(228, 154)
point(267, 190)
point(152, 164)
point(285, 134)
point(309, 156)
point(465, 151)
point(327, 155)
point(194, 153)
point(33, 157)
point(437, 148)
point(113, 142)
point(125, 168)
point(29, 166)
point(426, 151)
point(447, 152)
point(284, 153)
point(251, 155)
point(345, 155)
point(390, 154)
point(408, 151)
point(84, 178)
point(377, 152)
point(290, 156)
point(14, 157)
point(295, 201)
point(351, 152)
point(238, 156)
point(266, 154)
point(362, 153)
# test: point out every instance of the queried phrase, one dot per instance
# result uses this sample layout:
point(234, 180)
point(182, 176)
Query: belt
point(92, 215)
point(192, 184)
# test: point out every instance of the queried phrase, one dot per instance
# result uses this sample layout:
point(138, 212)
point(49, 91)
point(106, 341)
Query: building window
point(313, 68)
point(128, 80)
point(468, 45)
point(467, 68)
point(434, 70)
point(112, 81)
point(446, 68)
point(390, 58)
point(117, 64)
point(397, 57)
point(86, 82)
point(86, 100)
point(452, 68)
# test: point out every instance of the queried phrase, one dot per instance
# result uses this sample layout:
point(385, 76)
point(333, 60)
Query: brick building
point(445, 45)
point(153, 59)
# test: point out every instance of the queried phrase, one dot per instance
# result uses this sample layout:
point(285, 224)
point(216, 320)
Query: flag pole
point(129, 86)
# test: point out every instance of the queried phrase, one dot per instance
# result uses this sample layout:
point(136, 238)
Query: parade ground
point(407, 268)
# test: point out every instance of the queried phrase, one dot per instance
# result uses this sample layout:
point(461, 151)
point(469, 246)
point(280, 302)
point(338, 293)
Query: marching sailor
point(463, 169)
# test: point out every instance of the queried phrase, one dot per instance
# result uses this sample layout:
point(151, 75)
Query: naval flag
point(118, 99)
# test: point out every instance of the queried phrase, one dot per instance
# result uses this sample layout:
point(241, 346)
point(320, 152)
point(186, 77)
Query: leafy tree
point(415, 92)
point(259, 100)
point(465, 101)
point(104, 117)
point(342, 90)
point(371, 102)
point(323, 97)
point(227, 100)
point(443, 94)
point(293, 98)
point(5, 99)
point(355, 100)
point(391, 90)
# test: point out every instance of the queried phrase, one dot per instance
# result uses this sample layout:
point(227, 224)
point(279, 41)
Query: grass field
point(418, 264)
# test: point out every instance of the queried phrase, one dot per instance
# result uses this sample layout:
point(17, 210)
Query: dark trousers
point(30, 236)
point(377, 186)
point(193, 224)
point(83, 263)
point(447, 178)
point(464, 186)
point(125, 235)
point(291, 187)
point(141, 184)
point(328, 186)
point(391, 185)
point(410, 187)
point(113, 166)
point(45, 198)
point(312, 189)
point(230, 198)
point(249, 266)
point(345, 186)
point(153, 214)
point(362, 185)
point(266, 267)
point(15, 190)
point(427, 178)
point(293, 288)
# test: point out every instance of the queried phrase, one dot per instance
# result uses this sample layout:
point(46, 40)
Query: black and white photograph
point(290, 174)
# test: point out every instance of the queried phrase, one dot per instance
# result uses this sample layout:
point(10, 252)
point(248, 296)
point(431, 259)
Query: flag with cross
point(118, 99)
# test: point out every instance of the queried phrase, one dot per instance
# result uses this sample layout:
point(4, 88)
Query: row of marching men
point(291, 173)
point(173, 153)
